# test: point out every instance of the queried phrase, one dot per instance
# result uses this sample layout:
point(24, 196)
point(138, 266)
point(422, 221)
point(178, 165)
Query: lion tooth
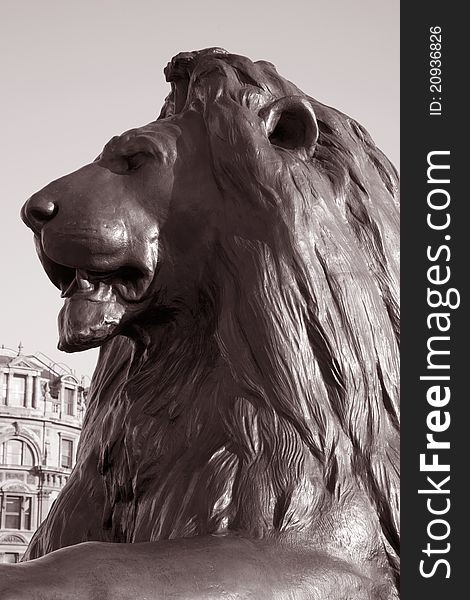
point(69, 290)
point(81, 280)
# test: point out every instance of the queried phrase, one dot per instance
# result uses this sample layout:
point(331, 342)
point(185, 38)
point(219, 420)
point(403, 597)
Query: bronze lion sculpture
point(236, 260)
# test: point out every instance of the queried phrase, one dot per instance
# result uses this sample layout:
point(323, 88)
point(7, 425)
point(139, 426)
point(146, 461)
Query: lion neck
point(189, 442)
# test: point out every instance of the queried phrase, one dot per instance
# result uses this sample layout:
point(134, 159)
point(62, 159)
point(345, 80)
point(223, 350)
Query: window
point(3, 399)
point(26, 513)
point(69, 397)
point(17, 390)
point(16, 512)
point(66, 454)
point(9, 557)
point(13, 512)
point(16, 452)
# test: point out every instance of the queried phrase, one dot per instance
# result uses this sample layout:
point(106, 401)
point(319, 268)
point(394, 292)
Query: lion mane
point(279, 400)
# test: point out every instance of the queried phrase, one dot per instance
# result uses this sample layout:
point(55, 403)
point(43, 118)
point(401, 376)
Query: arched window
point(16, 452)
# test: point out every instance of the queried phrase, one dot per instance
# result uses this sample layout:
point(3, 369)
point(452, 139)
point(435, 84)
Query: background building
point(42, 404)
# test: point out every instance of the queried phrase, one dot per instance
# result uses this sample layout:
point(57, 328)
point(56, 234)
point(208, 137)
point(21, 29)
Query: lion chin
point(87, 321)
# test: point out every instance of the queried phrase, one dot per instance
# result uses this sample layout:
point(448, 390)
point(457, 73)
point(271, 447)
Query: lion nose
point(37, 211)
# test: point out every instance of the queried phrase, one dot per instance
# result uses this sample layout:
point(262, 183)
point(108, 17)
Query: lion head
point(237, 261)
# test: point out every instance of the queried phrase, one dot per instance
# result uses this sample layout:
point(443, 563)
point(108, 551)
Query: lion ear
point(290, 123)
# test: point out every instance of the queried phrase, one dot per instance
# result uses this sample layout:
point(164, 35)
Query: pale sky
point(75, 73)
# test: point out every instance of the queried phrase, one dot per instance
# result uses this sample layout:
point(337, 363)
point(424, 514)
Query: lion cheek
point(85, 324)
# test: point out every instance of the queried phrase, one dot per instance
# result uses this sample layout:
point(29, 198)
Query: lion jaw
point(92, 312)
point(84, 324)
point(96, 307)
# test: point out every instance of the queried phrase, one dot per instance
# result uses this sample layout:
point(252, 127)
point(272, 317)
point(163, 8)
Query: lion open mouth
point(97, 302)
point(129, 282)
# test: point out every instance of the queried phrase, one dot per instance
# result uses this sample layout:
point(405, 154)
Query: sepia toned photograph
point(200, 301)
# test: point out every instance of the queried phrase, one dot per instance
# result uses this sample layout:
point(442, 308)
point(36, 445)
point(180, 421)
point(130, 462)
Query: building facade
point(42, 404)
